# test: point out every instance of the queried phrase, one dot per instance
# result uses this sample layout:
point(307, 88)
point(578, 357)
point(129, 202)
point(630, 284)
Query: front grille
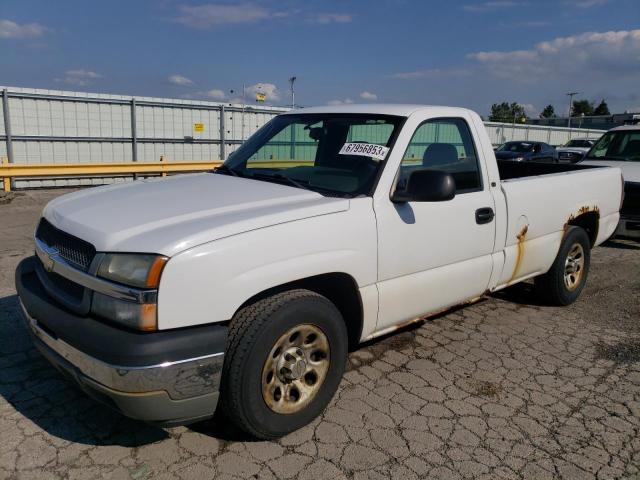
point(75, 251)
point(631, 204)
point(570, 156)
point(66, 287)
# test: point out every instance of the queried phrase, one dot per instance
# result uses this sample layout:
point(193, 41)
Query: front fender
point(208, 283)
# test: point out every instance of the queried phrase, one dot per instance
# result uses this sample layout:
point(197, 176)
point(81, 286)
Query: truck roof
point(380, 109)
point(626, 127)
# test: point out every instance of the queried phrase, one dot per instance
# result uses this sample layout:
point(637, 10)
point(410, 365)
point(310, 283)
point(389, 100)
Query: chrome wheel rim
point(574, 267)
point(295, 369)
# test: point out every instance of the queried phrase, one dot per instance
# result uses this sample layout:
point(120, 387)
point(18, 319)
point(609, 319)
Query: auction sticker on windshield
point(364, 149)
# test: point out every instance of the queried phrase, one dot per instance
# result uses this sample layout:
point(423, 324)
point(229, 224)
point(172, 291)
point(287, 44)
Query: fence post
point(163, 174)
point(134, 135)
point(7, 134)
point(7, 180)
point(222, 134)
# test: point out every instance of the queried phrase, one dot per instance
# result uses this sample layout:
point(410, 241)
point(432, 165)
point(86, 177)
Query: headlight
point(133, 269)
point(519, 159)
point(139, 316)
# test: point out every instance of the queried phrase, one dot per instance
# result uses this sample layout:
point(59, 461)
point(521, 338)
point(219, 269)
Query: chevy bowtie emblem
point(49, 261)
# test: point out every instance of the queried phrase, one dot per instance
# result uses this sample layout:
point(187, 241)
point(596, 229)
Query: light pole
point(570, 95)
point(244, 104)
point(292, 80)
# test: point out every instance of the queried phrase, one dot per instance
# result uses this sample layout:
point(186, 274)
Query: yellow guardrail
point(21, 170)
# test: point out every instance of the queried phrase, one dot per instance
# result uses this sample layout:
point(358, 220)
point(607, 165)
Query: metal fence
point(62, 127)
point(43, 126)
point(505, 132)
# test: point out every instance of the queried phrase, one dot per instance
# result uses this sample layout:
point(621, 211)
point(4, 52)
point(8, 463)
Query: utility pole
point(244, 106)
point(292, 80)
point(570, 95)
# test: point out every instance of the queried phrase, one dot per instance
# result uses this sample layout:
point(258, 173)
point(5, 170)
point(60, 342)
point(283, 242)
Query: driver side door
point(433, 255)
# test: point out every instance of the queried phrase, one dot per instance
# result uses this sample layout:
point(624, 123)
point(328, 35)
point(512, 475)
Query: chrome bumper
point(181, 379)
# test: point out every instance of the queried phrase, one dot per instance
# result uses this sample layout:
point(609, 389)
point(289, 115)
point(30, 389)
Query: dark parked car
point(527, 152)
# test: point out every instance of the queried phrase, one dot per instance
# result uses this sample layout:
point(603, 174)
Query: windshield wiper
point(279, 177)
point(224, 169)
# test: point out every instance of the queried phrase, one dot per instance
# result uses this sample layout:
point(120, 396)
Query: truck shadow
point(622, 243)
point(520, 294)
point(40, 393)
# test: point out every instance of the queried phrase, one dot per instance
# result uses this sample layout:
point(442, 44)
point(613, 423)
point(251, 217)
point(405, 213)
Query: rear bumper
point(169, 377)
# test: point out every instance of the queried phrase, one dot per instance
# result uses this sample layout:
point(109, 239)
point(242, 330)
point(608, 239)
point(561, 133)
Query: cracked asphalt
point(504, 388)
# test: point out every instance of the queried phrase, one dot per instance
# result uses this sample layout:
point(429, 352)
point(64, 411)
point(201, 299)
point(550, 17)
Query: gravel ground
point(504, 388)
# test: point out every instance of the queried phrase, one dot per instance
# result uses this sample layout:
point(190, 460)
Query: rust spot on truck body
point(581, 211)
point(520, 252)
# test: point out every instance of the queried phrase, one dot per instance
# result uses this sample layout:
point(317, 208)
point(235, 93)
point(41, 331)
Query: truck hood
point(573, 149)
point(630, 170)
point(167, 216)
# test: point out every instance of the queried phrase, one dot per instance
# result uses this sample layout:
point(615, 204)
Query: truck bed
point(509, 169)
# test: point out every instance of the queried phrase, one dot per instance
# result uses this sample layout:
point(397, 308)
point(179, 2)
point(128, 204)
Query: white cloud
point(180, 80)
point(207, 16)
point(369, 96)
point(217, 14)
point(492, 5)
point(585, 3)
point(13, 30)
point(530, 109)
point(325, 18)
point(610, 53)
point(346, 101)
point(216, 94)
point(269, 89)
point(417, 74)
point(79, 77)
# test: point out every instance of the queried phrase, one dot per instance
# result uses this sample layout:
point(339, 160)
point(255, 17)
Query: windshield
point(579, 143)
point(619, 145)
point(519, 147)
point(333, 154)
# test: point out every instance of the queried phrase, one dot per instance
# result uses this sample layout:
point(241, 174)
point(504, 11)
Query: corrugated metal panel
point(99, 129)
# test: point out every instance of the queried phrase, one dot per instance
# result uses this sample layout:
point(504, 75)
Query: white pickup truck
point(330, 226)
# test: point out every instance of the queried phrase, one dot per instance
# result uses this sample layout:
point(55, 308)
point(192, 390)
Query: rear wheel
point(566, 278)
point(285, 358)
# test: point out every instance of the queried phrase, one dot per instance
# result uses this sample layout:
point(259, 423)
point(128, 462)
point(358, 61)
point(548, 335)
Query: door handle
point(484, 215)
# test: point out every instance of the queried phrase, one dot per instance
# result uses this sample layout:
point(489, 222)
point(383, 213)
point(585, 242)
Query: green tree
point(507, 112)
point(602, 109)
point(548, 112)
point(582, 107)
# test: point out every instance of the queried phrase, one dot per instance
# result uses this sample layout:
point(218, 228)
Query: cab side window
point(443, 144)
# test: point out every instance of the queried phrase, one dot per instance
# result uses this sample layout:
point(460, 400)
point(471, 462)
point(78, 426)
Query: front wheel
point(285, 357)
point(566, 278)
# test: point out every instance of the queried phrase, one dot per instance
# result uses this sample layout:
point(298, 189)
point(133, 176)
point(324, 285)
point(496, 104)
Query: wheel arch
point(589, 221)
point(339, 287)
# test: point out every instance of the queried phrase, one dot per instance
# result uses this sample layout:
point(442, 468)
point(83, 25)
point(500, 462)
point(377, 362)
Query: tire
point(251, 375)
point(553, 287)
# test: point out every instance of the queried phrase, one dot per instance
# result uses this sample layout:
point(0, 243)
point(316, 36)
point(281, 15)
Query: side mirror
point(426, 186)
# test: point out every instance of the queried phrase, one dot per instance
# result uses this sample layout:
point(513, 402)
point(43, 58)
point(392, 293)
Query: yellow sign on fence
point(260, 97)
point(198, 127)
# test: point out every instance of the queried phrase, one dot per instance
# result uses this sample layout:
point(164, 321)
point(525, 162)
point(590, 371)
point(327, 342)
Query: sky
point(462, 53)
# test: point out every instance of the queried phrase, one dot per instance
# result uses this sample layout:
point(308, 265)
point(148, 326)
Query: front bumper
point(629, 226)
point(167, 377)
